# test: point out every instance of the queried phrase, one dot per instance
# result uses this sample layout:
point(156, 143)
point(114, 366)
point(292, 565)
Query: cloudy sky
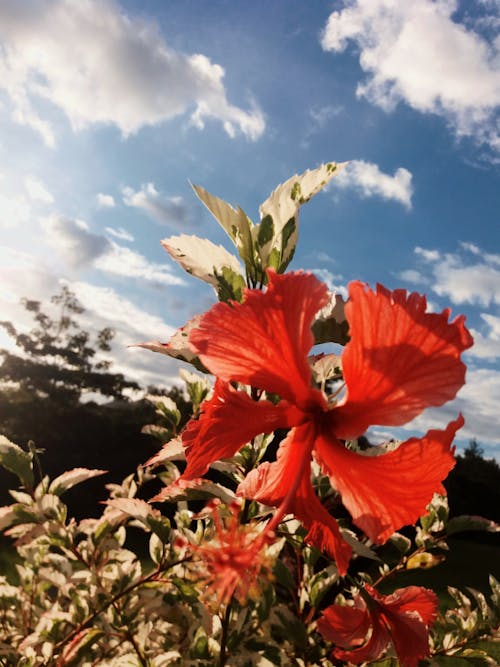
point(108, 109)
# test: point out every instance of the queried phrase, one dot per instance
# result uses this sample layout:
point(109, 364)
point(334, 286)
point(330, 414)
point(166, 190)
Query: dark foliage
point(41, 402)
point(474, 485)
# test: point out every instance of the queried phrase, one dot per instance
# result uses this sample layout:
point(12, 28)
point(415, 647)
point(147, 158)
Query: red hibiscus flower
point(399, 361)
point(402, 618)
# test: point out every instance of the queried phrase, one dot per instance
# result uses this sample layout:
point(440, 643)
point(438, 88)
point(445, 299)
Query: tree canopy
point(57, 358)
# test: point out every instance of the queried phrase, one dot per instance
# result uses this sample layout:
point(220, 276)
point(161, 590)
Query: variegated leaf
point(233, 220)
point(178, 346)
point(331, 325)
point(325, 367)
point(71, 478)
point(16, 460)
point(134, 507)
point(201, 257)
point(276, 234)
point(173, 450)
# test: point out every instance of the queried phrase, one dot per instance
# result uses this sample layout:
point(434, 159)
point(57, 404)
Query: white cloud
point(122, 261)
point(132, 324)
point(38, 190)
point(470, 247)
point(427, 255)
point(413, 277)
point(332, 281)
point(14, 210)
point(120, 233)
point(461, 281)
point(85, 56)
point(21, 275)
point(80, 248)
point(487, 345)
point(170, 211)
point(417, 53)
point(105, 201)
point(368, 179)
point(475, 283)
point(323, 115)
point(322, 256)
point(74, 241)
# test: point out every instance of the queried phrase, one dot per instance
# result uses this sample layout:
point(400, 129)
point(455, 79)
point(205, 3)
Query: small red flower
point(365, 629)
point(235, 560)
point(399, 361)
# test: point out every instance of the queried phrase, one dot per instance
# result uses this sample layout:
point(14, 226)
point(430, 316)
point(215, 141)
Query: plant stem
point(225, 630)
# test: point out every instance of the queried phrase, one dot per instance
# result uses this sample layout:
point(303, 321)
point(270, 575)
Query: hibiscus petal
point(372, 649)
point(410, 638)
point(264, 341)
point(410, 600)
point(270, 482)
point(409, 612)
point(388, 491)
point(402, 617)
point(399, 361)
point(344, 625)
point(229, 420)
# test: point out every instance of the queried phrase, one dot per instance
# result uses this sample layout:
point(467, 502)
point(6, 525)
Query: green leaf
point(401, 542)
point(201, 257)
point(178, 346)
point(282, 208)
point(265, 231)
point(156, 549)
point(71, 478)
point(11, 515)
point(135, 508)
point(172, 450)
point(459, 524)
point(197, 489)
point(165, 407)
point(77, 649)
point(267, 599)
point(274, 259)
point(437, 516)
point(358, 547)
point(283, 575)
point(235, 222)
point(331, 325)
point(288, 242)
point(230, 285)
point(187, 589)
point(16, 460)
point(197, 386)
point(160, 526)
point(320, 583)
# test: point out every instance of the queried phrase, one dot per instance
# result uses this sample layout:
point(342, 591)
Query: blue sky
point(109, 109)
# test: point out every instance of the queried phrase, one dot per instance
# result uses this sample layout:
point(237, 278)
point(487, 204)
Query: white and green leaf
point(71, 478)
point(234, 221)
point(16, 460)
point(178, 346)
point(276, 234)
point(201, 257)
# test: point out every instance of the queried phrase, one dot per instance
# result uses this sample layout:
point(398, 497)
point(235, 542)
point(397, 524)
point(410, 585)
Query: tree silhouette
point(474, 484)
point(57, 359)
point(43, 381)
